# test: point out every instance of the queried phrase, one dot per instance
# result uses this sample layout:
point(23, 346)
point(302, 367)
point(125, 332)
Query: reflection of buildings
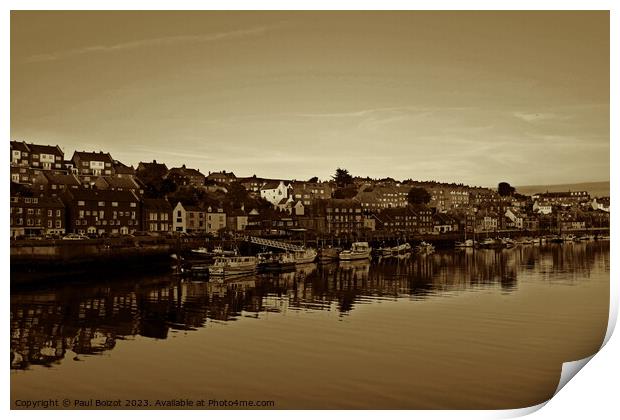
point(89, 319)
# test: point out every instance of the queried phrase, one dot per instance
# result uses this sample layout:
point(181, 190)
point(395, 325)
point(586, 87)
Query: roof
point(270, 185)
point(156, 204)
point(222, 174)
point(42, 202)
point(342, 202)
point(87, 194)
point(123, 169)
point(44, 148)
point(61, 179)
point(19, 145)
point(153, 166)
point(183, 171)
point(119, 182)
point(88, 156)
point(416, 208)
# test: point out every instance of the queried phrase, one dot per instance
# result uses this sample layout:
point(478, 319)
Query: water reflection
point(89, 319)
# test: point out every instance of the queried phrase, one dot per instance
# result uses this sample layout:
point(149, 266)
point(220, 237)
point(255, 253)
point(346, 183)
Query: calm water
point(456, 329)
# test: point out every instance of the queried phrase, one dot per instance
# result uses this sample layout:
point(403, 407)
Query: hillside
point(596, 189)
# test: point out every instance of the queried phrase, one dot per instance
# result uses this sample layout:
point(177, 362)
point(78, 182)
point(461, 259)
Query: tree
point(314, 179)
point(347, 192)
point(343, 178)
point(418, 196)
point(504, 189)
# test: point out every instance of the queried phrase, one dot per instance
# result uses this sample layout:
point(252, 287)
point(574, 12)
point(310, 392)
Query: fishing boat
point(358, 251)
point(328, 254)
point(304, 256)
point(236, 265)
point(425, 248)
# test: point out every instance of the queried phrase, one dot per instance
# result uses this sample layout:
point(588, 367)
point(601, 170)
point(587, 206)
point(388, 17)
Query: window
point(81, 215)
point(101, 203)
point(80, 203)
point(101, 213)
point(49, 223)
point(57, 213)
point(132, 204)
point(30, 211)
point(114, 203)
point(133, 214)
point(58, 224)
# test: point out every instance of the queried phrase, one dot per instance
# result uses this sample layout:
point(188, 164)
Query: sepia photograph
point(306, 210)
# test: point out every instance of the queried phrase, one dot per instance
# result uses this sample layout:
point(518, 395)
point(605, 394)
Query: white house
point(179, 218)
point(600, 204)
point(515, 217)
point(274, 191)
point(542, 208)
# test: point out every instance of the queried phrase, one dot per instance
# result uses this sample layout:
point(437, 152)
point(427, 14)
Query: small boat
point(469, 243)
point(227, 266)
point(383, 252)
point(603, 238)
point(425, 248)
point(219, 251)
point(328, 254)
point(569, 238)
point(507, 242)
point(358, 251)
point(304, 256)
point(401, 249)
point(201, 251)
point(189, 267)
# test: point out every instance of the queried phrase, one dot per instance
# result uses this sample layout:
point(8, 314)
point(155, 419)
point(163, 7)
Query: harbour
point(431, 321)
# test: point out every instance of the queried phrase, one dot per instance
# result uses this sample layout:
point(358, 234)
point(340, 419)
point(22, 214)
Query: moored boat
point(469, 243)
point(401, 249)
point(236, 265)
point(328, 254)
point(275, 262)
point(358, 251)
point(425, 248)
point(304, 256)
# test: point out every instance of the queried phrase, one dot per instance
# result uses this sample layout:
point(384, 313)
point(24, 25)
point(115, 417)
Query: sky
point(472, 97)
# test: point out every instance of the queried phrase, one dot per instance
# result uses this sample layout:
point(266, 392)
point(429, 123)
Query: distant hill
point(595, 189)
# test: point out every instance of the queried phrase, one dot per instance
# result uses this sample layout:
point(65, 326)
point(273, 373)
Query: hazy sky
point(474, 97)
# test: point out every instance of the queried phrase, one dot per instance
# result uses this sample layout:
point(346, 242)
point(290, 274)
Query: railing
point(273, 244)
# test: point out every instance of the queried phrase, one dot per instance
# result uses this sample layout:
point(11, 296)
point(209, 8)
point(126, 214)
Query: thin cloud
point(153, 42)
point(538, 116)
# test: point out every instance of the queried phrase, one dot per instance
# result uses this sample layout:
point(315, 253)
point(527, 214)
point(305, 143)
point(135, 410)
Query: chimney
point(154, 161)
point(183, 166)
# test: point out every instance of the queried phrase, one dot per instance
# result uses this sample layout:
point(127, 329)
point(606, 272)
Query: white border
point(592, 394)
